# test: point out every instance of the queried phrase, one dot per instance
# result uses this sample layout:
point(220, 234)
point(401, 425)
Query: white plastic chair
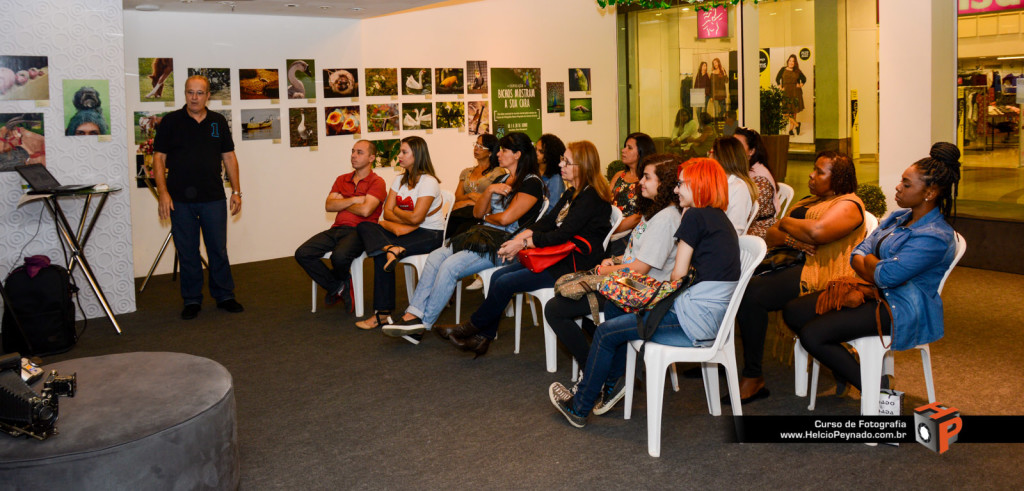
point(785, 193)
point(543, 295)
point(416, 263)
point(753, 214)
point(801, 370)
point(485, 276)
point(658, 357)
point(876, 360)
point(356, 271)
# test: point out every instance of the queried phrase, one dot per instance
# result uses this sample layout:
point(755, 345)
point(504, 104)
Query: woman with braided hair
point(906, 258)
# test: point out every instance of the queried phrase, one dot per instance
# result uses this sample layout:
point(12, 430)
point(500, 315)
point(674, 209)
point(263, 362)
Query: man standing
point(357, 197)
point(191, 144)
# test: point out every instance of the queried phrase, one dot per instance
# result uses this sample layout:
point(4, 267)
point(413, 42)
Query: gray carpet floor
point(323, 405)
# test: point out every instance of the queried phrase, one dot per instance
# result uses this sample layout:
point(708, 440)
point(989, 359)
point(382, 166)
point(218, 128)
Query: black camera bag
point(39, 315)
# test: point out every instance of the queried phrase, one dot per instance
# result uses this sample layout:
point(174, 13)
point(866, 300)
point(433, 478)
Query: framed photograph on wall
point(556, 97)
point(156, 79)
point(581, 109)
point(25, 140)
point(24, 78)
point(301, 79)
point(86, 107)
point(417, 116)
point(381, 81)
point(258, 83)
point(579, 80)
point(417, 81)
point(450, 80)
point(476, 71)
point(341, 82)
point(261, 124)
point(220, 82)
point(302, 130)
point(450, 114)
point(478, 114)
point(341, 120)
point(381, 117)
point(387, 152)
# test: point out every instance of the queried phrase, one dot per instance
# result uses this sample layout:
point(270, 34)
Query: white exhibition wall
point(284, 188)
point(82, 41)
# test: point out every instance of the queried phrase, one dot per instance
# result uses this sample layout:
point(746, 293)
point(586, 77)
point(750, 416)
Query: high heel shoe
point(476, 344)
point(376, 320)
point(798, 128)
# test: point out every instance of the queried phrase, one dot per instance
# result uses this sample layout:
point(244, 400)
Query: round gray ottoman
point(138, 421)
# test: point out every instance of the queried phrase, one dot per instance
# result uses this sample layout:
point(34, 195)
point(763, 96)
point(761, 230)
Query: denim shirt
point(912, 263)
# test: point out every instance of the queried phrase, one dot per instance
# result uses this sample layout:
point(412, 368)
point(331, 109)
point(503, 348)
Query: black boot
point(464, 330)
point(476, 344)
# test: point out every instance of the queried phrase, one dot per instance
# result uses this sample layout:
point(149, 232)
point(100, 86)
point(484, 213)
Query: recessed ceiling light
point(187, 1)
point(291, 5)
point(325, 7)
point(146, 7)
point(798, 10)
point(357, 9)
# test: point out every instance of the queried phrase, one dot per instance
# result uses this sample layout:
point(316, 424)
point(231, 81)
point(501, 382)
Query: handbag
point(540, 258)
point(853, 292)
point(581, 284)
point(481, 239)
point(779, 258)
point(636, 292)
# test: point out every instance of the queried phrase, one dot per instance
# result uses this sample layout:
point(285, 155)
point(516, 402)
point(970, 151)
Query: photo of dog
point(83, 107)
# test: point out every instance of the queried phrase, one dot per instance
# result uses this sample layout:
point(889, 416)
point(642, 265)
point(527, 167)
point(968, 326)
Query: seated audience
point(706, 241)
point(549, 152)
point(581, 216)
point(412, 223)
point(624, 189)
point(472, 182)
point(906, 258)
point(767, 189)
point(651, 251)
point(742, 191)
point(356, 197)
point(826, 226)
point(508, 205)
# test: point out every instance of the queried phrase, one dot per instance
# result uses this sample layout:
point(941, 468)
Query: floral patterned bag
point(635, 292)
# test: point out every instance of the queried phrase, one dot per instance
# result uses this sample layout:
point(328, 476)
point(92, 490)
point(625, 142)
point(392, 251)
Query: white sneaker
point(477, 284)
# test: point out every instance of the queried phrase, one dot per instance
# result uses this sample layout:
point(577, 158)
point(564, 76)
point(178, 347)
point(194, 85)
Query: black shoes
point(343, 296)
point(191, 311)
point(230, 305)
point(466, 337)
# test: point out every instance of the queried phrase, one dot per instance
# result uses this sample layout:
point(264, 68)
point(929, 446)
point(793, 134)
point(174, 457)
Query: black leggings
point(561, 314)
point(822, 335)
point(764, 294)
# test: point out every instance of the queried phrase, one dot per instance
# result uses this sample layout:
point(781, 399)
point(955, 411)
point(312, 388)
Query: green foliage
point(873, 198)
point(613, 168)
point(773, 106)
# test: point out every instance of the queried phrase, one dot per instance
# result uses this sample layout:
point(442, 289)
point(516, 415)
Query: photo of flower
point(381, 81)
point(341, 120)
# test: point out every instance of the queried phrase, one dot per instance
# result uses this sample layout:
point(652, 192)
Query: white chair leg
point(576, 370)
point(870, 380)
point(815, 368)
point(550, 348)
point(799, 368)
point(630, 380)
point(314, 298)
point(519, 319)
point(926, 362)
point(655, 399)
point(732, 380)
point(533, 309)
point(675, 377)
point(410, 280)
point(458, 302)
point(709, 371)
point(357, 284)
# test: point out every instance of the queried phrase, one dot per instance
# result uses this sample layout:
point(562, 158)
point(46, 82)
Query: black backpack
point(43, 320)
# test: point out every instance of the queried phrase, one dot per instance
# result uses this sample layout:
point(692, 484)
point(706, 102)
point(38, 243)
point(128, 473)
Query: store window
point(990, 91)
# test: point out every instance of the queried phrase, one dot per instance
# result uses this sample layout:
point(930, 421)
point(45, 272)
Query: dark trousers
point(505, 283)
point(822, 335)
point(764, 294)
point(617, 247)
point(188, 222)
point(561, 314)
point(375, 238)
point(344, 245)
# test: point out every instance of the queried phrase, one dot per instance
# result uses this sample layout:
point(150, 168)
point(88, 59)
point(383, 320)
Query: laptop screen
point(38, 176)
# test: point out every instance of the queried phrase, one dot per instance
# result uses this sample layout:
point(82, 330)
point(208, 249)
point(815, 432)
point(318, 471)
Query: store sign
point(712, 23)
point(982, 6)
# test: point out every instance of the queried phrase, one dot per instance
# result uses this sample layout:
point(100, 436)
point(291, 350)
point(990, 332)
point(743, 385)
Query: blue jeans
point(439, 279)
point(375, 238)
point(187, 220)
point(505, 283)
point(607, 359)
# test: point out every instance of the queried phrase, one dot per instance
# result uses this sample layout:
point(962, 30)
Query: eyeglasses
point(481, 147)
point(681, 183)
point(199, 93)
point(565, 161)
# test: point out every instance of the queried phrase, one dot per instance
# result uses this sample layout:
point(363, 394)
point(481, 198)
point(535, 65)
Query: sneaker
point(561, 393)
point(565, 406)
point(477, 284)
point(402, 327)
point(230, 305)
point(413, 338)
point(610, 396)
point(191, 311)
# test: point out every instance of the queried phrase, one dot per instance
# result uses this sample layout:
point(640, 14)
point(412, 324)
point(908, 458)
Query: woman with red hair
point(707, 241)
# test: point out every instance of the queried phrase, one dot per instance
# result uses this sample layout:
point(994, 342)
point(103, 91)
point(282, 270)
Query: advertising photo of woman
point(719, 88)
point(792, 81)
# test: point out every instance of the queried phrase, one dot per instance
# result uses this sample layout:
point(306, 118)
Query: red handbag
point(540, 258)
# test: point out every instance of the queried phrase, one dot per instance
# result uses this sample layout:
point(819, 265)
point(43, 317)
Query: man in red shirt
point(357, 197)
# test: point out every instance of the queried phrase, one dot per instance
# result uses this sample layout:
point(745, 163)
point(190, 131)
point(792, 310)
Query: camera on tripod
point(22, 410)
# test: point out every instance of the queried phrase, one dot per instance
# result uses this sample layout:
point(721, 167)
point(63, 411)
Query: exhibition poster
point(517, 101)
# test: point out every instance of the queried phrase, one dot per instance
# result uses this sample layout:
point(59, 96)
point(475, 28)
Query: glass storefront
point(990, 77)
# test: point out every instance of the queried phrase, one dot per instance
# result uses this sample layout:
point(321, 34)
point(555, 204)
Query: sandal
point(393, 257)
point(376, 320)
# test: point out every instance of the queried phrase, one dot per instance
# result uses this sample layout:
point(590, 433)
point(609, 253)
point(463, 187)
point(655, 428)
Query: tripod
point(160, 255)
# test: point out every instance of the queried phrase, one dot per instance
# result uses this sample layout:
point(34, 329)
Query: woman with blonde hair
point(742, 190)
point(581, 216)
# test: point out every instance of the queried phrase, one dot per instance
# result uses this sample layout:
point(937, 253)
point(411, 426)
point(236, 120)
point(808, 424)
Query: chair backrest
point(961, 248)
point(752, 251)
point(870, 222)
point(447, 201)
point(753, 214)
point(786, 194)
point(616, 220)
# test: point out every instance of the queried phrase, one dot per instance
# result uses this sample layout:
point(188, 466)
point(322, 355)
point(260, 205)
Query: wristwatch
point(236, 193)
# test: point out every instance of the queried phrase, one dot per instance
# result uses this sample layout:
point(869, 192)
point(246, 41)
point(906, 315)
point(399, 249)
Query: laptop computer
point(42, 182)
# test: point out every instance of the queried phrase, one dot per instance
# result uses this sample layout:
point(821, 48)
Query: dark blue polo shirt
point(194, 154)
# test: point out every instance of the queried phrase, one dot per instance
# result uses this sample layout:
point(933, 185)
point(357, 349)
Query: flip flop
point(393, 257)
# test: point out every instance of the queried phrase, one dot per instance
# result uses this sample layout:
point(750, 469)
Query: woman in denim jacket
point(906, 258)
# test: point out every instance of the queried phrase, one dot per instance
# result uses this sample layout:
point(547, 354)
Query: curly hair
point(666, 168)
point(942, 169)
point(844, 173)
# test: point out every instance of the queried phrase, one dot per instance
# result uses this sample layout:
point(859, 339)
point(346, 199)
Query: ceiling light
point(325, 7)
point(798, 10)
point(146, 7)
point(291, 5)
point(1010, 57)
point(357, 9)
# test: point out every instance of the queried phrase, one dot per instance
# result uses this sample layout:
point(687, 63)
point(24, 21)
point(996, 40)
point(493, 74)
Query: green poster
point(515, 93)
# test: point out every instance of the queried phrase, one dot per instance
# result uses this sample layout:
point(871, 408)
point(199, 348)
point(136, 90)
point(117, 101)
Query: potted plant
point(873, 198)
point(773, 122)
